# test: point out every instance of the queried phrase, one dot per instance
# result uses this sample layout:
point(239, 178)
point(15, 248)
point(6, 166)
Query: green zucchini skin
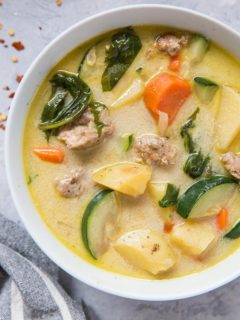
point(234, 233)
point(87, 213)
point(204, 82)
point(197, 190)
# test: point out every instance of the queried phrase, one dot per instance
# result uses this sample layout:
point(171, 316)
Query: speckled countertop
point(36, 22)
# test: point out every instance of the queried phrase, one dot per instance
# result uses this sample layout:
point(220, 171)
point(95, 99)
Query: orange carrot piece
point(168, 225)
point(166, 93)
point(175, 63)
point(222, 219)
point(50, 154)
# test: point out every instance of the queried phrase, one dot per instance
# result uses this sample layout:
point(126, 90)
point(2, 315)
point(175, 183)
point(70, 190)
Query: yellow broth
point(63, 215)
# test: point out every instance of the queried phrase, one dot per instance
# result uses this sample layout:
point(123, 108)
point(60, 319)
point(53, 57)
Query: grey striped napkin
point(28, 280)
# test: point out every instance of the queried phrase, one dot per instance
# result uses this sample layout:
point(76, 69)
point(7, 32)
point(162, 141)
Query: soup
point(131, 152)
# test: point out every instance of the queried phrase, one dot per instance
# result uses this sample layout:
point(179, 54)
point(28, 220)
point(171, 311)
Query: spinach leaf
point(187, 138)
point(195, 164)
point(96, 108)
point(171, 196)
point(123, 49)
point(53, 104)
point(81, 96)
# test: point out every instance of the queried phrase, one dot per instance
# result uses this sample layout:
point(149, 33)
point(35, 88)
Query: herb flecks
point(31, 178)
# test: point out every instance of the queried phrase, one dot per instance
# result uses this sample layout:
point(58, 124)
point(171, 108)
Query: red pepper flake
point(19, 77)
point(6, 88)
point(2, 40)
point(18, 45)
point(2, 126)
point(11, 95)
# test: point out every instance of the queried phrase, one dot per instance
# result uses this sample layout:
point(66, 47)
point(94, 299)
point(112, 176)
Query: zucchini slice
point(127, 141)
point(197, 49)
point(205, 89)
point(99, 222)
point(206, 197)
point(234, 233)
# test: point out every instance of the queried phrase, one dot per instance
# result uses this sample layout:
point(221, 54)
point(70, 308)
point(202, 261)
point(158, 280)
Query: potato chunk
point(228, 118)
point(195, 238)
point(126, 177)
point(157, 190)
point(147, 250)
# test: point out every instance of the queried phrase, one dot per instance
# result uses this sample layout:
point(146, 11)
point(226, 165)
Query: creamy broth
point(63, 216)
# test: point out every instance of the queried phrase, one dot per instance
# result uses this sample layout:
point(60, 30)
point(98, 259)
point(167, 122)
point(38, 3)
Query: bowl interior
point(120, 285)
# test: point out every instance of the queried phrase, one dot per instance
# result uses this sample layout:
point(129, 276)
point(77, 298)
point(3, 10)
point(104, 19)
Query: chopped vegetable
point(195, 238)
point(81, 97)
point(89, 56)
point(189, 124)
point(126, 177)
point(198, 47)
point(195, 164)
point(134, 92)
point(157, 190)
point(166, 93)
point(127, 141)
point(99, 222)
point(228, 119)
point(170, 197)
point(168, 226)
point(234, 233)
point(205, 89)
point(206, 196)
point(162, 123)
point(50, 154)
point(146, 250)
point(222, 219)
point(123, 49)
point(175, 63)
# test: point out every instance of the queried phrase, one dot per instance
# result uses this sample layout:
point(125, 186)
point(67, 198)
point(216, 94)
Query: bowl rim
point(116, 284)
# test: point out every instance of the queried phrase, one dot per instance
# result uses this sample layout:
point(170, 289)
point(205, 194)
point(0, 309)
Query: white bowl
point(124, 286)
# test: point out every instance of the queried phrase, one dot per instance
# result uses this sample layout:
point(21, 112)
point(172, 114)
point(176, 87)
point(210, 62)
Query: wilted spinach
point(123, 49)
point(171, 196)
point(187, 138)
point(195, 164)
point(196, 161)
point(59, 113)
point(96, 108)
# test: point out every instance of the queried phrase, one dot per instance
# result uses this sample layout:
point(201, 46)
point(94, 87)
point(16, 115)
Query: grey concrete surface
point(25, 17)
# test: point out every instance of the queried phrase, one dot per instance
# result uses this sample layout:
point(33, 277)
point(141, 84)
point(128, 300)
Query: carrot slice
point(168, 225)
point(50, 154)
point(166, 93)
point(222, 219)
point(175, 63)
